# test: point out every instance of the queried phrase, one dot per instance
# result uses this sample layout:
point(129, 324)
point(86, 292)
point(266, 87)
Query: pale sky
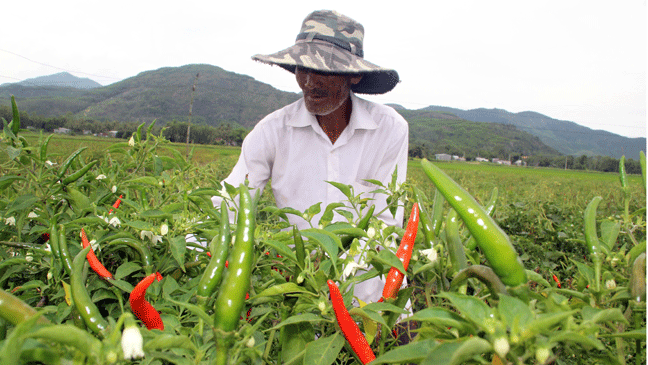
point(581, 61)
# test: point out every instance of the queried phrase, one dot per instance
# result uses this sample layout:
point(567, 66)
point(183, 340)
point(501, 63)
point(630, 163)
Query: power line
point(56, 67)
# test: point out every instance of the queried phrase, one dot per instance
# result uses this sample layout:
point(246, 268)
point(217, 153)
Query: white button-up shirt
point(290, 148)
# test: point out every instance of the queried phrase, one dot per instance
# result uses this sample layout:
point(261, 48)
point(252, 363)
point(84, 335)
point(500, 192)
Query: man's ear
point(355, 79)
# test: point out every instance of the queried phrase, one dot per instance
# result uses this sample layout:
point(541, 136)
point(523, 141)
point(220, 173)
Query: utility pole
point(193, 91)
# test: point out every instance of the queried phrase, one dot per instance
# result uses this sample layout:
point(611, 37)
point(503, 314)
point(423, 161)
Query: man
point(330, 134)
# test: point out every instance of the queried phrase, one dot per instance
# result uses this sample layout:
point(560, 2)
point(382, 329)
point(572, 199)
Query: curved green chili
point(15, 310)
point(300, 251)
point(43, 148)
point(70, 335)
point(64, 252)
point(363, 224)
point(143, 251)
point(494, 243)
point(68, 162)
point(471, 243)
point(54, 242)
point(592, 240)
point(82, 301)
point(231, 296)
point(424, 220)
point(77, 175)
point(219, 247)
point(484, 274)
point(453, 242)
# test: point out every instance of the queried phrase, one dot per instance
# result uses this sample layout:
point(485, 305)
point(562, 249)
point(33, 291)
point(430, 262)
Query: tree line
point(174, 131)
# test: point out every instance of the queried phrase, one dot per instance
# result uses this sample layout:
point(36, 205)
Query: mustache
point(317, 93)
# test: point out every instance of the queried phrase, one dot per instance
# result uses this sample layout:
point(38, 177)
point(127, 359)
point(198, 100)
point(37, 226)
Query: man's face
point(324, 93)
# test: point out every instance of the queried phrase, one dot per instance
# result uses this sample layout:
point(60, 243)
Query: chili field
point(114, 253)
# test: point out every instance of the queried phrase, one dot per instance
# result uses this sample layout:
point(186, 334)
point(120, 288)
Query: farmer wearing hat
point(330, 134)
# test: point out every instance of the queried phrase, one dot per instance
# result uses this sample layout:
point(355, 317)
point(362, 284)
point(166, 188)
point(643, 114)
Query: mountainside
point(225, 97)
point(61, 79)
point(567, 137)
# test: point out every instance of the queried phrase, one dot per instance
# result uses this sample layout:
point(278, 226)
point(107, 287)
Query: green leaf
point(13, 152)
point(468, 349)
point(139, 225)
point(575, 337)
point(368, 314)
point(388, 258)
point(23, 202)
point(609, 233)
point(596, 315)
point(639, 334)
point(7, 180)
point(442, 318)
point(344, 188)
point(327, 216)
point(126, 269)
point(314, 209)
point(300, 318)
point(281, 289)
point(123, 285)
point(282, 249)
point(178, 246)
point(196, 310)
point(329, 242)
point(147, 180)
point(384, 307)
point(471, 308)
point(167, 341)
point(514, 312)
point(411, 353)
point(154, 213)
point(324, 351)
point(442, 354)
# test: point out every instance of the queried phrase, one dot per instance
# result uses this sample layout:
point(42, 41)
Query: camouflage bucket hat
point(331, 42)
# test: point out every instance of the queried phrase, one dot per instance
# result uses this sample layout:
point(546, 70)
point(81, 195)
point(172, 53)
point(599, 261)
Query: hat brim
point(326, 57)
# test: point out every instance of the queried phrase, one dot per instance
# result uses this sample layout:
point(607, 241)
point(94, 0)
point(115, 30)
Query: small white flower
point(32, 215)
point(371, 232)
point(50, 163)
point(223, 192)
point(95, 245)
point(132, 342)
point(144, 234)
point(430, 253)
point(352, 267)
point(11, 221)
point(164, 229)
point(610, 284)
point(29, 257)
point(501, 346)
point(115, 222)
point(47, 247)
point(49, 275)
point(100, 177)
point(155, 239)
point(114, 189)
point(131, 141)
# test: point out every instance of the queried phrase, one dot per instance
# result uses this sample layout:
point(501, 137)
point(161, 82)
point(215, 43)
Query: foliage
point(288, 317)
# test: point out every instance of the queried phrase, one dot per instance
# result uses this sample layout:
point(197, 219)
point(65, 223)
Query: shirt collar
point(360, 117)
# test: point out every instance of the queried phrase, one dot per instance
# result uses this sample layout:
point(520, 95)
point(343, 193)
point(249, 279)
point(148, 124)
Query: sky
point(580, 61)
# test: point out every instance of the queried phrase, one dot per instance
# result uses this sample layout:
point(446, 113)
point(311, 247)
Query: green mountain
point(221, 97)
point(566, 137)
point(61, 79)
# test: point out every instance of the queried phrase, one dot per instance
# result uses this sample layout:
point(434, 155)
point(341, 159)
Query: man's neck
point(334, 123)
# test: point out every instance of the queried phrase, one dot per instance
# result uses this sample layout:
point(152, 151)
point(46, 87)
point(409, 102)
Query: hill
point(61, 79)
point(566, 137)
point(239, 100)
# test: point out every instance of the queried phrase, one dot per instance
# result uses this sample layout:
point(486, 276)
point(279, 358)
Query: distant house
point(458, 158)
point(443, 157)
point(501, 162)
point(520, 163)
point(112, 134)
point(481, 159)
point(86, 132)
point(62, 130)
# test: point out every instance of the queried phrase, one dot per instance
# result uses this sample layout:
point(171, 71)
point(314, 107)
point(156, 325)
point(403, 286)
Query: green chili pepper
point(494, 243)
point(219, 248)
point(424, 219)
point(68, 162)
point(139, 247)
point(453, 241)
point(15, 122)
point(490, 209)
point(54, 242)
point(64, 252)
point(77, 175)
point(362, 224)
point(43, 148)
point(484, 274)
point(82, 301)
point(592, 241)
point(70, 335)
point(15, 310)
point(437, 212)
point(638, 279)
point(231, 296)
point(300, 252)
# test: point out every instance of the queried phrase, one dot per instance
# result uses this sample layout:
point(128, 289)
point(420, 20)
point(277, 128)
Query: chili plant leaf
point(344, 188)
point(325, 350)
point(300, 318)
point(126, 269)
point(281, 289)
point(7, 180)
point(410, 353)
point(178, 246)
point(471, 308)
point(442, 318)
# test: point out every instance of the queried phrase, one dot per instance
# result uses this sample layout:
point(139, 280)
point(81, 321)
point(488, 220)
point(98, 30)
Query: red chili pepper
point(556, 280)
point(348, 326)
point(95, 264)
point(116, 205)
point(141, 307)
point(404, 253)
